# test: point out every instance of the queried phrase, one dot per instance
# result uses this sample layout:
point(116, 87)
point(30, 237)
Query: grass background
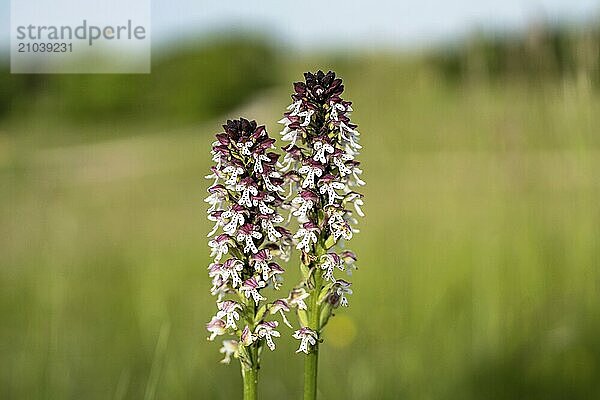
point(478, 257)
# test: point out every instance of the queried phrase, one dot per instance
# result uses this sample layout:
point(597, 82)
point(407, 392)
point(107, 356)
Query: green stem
point(310, 373)
point(250, 378)
point(311, 361)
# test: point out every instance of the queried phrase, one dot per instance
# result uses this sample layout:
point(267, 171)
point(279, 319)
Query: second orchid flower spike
point(324, 177)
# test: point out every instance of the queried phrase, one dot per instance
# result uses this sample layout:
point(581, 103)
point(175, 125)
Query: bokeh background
point(479, 257)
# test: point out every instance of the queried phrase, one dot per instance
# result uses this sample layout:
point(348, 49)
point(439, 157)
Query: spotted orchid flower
point(323, 173)
point(216, 327)
point(312, 170)
point(218, 194)
point(228, 309)
point(247, 233)
point(266, 330)
point(219, 246)
point(307, 337)
point(250, 289)
point(261, 263)
point(245, 206)
point(235, 215)
point(247, 188)
point(329, 262)
point(304, 203)
point(232, 271)
point(338, 296)
point(247, 337)
point(308, 235)
point(297, 297)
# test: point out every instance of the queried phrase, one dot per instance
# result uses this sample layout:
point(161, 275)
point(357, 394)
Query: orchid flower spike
point(324, 176)
point(245, 204)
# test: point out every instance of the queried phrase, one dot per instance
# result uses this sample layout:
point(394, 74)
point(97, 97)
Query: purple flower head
point(322, 150)
point(319, 87)
point(245, 207)
point(324, 175)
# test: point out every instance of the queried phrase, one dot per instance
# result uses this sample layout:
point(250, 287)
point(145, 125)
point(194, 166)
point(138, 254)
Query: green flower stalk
point(323, 175)
point(244, 202)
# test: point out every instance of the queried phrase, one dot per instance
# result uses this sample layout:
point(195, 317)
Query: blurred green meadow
point(479, 256)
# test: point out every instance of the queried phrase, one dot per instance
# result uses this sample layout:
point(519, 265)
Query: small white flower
point(340, 162)
point(330, 188)
point(307, 115)
point(229, 309)
point(296, 298)
point(295, 107)
point(355, 173)
point(320, 149)
point(339, 226)
point(269, 185)
point(247, 188)
point(232, 269)
point(244, 147)
point(307, 338)
point(250, 289)
point(261, 263)
point(219, 246)
point(230, 348)
point(280, 306)
point(258, 162)
point(329, 262)
point(311, 171)
point(266, 330)
point(218, 194)
point(350, 136)
point(246, 234)
point(216, 175)
point(358, 203)
point(247, 337)
point(233, 172)
point(216, 327)
point(342, 288)
point(303, 206)
point(289, 135)
point(335, 109)
point(356, 199)
point(218, 218)
point(308, 236)
point(261, 201)
point(235, 214)
point(267, 225)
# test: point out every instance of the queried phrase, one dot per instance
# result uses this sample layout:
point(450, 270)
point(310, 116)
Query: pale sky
point(308, 24)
